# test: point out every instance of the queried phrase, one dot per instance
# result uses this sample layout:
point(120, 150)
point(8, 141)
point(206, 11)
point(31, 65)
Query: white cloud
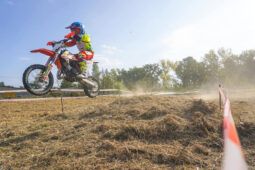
point(107, 62)
point(110, 49)
point(109, 57)
point(229, 26)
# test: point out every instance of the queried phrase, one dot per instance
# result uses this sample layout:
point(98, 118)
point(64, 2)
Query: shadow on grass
point(19, 139)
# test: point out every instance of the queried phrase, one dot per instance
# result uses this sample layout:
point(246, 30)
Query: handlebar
point(52, 43)
point(64, 40)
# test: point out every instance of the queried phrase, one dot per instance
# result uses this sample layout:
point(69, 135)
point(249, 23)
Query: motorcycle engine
point(71, 79)
point(70, 70)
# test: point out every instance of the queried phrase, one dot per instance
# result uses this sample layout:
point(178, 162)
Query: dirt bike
point(38, 79)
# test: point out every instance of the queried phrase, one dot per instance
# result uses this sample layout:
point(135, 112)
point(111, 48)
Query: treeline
point(215, 67)
point(3, 85)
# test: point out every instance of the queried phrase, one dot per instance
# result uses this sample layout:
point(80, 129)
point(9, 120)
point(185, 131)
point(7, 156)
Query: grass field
point(139, 132)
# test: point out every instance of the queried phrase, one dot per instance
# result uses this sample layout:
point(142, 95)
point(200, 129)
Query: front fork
point(48, 65)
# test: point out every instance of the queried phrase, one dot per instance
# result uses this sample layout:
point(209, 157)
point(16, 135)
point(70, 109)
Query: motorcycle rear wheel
point(92, 91)
point(38, 86)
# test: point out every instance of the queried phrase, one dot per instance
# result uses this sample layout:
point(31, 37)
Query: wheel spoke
point(34, 80)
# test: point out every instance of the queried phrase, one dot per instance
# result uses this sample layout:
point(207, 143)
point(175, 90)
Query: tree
point(211, 64)
point(133, 77)
point(68, 84)
point(230, 72)
point(95, 71)
point(2, 84)
point(145, 78)
point(247, 66)
point(190, 72)
point(152, 76)
point(111, 79)
point(106, 81)
point(166, 67)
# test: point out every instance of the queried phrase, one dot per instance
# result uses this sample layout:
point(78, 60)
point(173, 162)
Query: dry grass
point(142, 132)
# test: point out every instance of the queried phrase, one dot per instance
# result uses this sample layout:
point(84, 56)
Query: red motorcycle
point(38, 79)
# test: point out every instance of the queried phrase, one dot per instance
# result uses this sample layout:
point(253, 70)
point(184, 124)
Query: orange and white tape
point(233, 156)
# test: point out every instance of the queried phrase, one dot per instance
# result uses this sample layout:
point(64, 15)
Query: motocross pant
point(81, 57)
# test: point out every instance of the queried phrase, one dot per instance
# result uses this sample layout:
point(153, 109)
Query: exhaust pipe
point(86, 81)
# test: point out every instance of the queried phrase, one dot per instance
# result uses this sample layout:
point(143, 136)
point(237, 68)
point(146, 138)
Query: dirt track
point(143, 132)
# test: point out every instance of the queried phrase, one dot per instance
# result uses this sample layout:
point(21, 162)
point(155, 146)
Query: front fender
point(44, 51)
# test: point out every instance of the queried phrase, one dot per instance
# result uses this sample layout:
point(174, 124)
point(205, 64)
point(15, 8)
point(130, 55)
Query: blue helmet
point(77, 25)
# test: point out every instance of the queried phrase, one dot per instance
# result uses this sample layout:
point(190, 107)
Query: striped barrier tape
point(233, 156)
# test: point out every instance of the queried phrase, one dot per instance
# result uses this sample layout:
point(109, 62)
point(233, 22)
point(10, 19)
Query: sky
point(124, 33)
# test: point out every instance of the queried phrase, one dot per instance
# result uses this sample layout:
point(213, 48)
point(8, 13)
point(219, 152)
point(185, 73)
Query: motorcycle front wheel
point(34, 82)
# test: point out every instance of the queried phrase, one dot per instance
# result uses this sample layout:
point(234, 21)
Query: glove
point(51, 43)
point(79, 57)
